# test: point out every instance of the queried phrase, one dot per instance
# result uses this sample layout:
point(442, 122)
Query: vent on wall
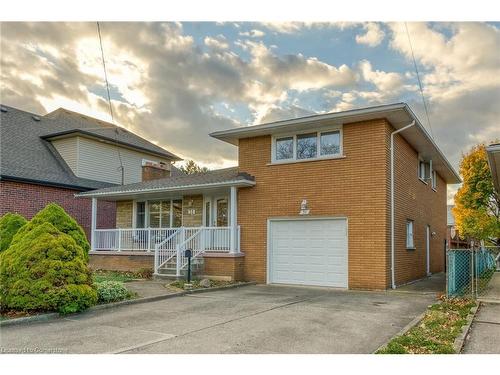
point(36, 118)
point(3, 109)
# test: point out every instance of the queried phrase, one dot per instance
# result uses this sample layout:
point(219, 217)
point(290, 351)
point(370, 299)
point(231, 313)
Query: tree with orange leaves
point(476, 211)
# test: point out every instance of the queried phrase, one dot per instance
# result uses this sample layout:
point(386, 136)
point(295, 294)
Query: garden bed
point(437, 330)
point(120, 276)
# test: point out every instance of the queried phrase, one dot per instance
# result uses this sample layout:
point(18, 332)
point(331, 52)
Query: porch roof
point(198, 181)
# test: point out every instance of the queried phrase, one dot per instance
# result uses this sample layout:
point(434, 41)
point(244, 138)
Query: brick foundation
point(223, 265)
point(121, 261)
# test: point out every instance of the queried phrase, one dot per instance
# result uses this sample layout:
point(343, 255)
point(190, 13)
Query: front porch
point(160, 223)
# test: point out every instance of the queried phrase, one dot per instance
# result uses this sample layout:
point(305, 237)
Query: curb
point(460, 340)
point(52, 316)
point(405, 329)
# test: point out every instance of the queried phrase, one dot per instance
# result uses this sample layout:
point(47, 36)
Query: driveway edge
point(405, 329)
point(54, 315)
point(458, 344)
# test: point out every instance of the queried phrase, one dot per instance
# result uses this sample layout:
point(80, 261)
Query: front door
point(221, 214)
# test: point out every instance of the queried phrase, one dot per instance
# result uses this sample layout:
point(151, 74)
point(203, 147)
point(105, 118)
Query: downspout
point(393, 278)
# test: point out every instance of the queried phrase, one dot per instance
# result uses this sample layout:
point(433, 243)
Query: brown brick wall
point(153, 173)
point(121, 262)
point(124, 211)
point(353, 187)
point(417, 201)
point(28, 199)
point(232, 267)
point(190, 219)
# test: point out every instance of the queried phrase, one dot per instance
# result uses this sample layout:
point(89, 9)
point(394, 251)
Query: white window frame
point(419, 170)
point(146, 211)
point(410, 234)
point(318, 133)
point(434, 180)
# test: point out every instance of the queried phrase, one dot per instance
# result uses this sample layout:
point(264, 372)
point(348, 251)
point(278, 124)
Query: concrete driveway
point(252, 319)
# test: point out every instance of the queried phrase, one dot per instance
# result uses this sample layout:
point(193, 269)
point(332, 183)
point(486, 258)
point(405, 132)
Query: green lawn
point(436, 332)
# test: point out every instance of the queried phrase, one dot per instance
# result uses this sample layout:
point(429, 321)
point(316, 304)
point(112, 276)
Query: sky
point(174, 83)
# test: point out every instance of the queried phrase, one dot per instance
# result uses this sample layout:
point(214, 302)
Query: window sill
point(280, 162)
point(411, 248)
point(423, 181)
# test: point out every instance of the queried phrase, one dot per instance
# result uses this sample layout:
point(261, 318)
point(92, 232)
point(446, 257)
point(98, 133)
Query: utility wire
point(419, 81)
point(109, 102)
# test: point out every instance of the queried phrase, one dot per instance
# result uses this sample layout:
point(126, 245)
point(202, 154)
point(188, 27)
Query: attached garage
point(309, 251)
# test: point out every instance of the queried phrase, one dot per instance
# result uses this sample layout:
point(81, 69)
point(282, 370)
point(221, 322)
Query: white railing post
point(234, 220)
point(119, 239)
point(178, 261)
point(93, 224)
point(149, 239)
point(156, 259)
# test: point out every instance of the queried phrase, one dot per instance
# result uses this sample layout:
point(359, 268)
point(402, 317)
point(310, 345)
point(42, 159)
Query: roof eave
point(96, 193)
point(76, 132)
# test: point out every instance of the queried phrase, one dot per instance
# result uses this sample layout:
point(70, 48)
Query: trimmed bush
point(111, 291)
point(55, 215)
point(45, 269)
point(9, 225)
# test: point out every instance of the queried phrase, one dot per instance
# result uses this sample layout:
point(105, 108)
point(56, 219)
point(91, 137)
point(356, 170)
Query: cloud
point(373, 35)
point(219, 43)
point(254, 33)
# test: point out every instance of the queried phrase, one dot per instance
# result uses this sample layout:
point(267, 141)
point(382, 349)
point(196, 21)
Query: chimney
point(152, 170)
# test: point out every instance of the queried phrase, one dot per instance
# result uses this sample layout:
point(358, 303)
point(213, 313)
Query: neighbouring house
point(493, 152)
point(353, 199)
point(50, 158)
point(453, 240)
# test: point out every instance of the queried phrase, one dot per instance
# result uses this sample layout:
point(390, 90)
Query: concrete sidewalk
point(484, 335)
point(492, 291)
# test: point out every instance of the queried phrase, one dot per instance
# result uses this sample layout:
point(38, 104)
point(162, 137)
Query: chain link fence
point(470, 270)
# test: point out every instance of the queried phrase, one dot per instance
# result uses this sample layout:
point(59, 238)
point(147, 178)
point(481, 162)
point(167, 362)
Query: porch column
point(93, 223)
point(234, 220)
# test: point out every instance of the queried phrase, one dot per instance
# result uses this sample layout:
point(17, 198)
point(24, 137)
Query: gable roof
point(26, 156)
point(215, 178)
point(398, 114)
point(74, 123)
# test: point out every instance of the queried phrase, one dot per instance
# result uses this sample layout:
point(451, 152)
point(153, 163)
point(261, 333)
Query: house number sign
point(191, 211)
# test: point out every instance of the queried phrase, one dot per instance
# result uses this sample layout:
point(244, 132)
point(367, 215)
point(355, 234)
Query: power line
point(109, 102)
point(419, 81)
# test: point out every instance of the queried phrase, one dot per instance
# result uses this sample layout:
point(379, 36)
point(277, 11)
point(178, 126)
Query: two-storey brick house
point(353, 199)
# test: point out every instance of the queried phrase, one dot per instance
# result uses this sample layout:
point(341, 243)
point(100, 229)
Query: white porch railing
point(210, 239)
point(130, 239)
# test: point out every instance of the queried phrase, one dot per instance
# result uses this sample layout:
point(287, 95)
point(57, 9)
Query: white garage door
point(308, 252)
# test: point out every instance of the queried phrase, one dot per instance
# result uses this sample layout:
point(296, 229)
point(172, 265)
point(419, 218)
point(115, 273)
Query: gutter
point(393, 278)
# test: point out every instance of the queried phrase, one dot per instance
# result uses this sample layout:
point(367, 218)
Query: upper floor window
point(284, 148)
point(422, 170)
point(434, 180)
point(307, 146)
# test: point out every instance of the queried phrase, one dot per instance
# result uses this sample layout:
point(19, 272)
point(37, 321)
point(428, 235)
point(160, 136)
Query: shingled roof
point(26, 155)
point(226, 176)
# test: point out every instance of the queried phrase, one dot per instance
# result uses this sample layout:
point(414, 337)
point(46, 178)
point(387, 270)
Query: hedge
point(55, 215)
point(46, 269)
point(10, 224)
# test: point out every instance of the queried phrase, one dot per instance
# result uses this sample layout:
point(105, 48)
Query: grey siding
point(68, 149)
point(101, 161)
